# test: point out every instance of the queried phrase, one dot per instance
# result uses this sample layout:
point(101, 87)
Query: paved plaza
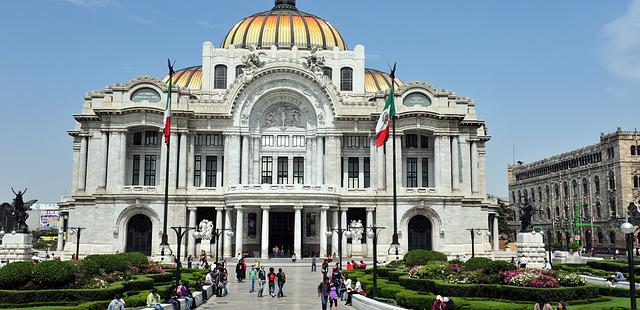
point(300, 292)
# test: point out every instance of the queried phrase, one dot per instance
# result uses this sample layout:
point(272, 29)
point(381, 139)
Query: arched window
point(328, 72)
point(557, 191)
point(574, 186)
point(346, 79)
point(526, 196)
point(585, 187)
point(145, 94)
point(416, 99)
point(596, 183)
point(548, 213)
point(585, 211)
point(612, 181)
point(633, 150)
point(636, 181)
point(565, 189)
point(566, 211)
point(220, 77)
point(612, 207)
point(612, 237)
point(548, 194)
point(239, 70)
point(519, 196)
point(600, 236)
point(557, 212)
point(539, 194)
point(533, 195)
point(598, 209)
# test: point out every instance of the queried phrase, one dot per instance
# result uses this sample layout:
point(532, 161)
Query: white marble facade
point(279, 155)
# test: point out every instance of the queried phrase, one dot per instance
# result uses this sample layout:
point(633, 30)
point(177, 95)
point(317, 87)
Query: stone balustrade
point(360, 302)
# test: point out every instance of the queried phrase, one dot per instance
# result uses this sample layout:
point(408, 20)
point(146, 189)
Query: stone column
point(239, 230)
point(334, 235)
point(60, 245)
point(323, 230)
point(173, 164)
point(82, 164)
point(496, 234)
point(297, 231)
point(373, 162)
point(245, 159)
point(227, 239)
point(104, 159)
point(123, 158)
point(113, 166)
point(191, 159)
point(182, 161)
point(380, 168)
point(343, 215)
point(455, 167)
point(445, 163)
point(191, 247)
point(399, 160)
point(219, 171)
point(256, 160)
point(232, 158)
point(219, 226)
point(309, 163)
point(264, 246)
point(474, 167)
point(437, 161)
point(319, 160)
point(370, 223)
point(465, 154)
point(361, 172)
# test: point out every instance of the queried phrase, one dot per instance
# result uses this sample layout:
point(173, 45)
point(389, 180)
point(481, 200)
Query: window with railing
point(150, 170)
point(298, 170)
point(267, 170)
point(353, 170)
point(212, 169)
point(412, 172)
point(135, 177)
point(283, 170)
point(197, 170)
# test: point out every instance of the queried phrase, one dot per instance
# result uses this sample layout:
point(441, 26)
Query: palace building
point(273, 138)
point(582, 195)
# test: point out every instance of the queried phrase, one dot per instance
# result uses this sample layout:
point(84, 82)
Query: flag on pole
point(384, 122)
point(167, 110)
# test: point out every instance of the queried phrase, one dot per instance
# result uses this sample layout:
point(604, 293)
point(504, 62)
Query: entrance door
point(139, 234)
point(419, 233)
point(281, 226)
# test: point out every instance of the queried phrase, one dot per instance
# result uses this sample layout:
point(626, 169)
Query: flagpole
point(394, 243)
point(165, 240)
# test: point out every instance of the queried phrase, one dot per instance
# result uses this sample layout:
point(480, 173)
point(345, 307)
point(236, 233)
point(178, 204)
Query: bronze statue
point(526, 215)
point(13, 217)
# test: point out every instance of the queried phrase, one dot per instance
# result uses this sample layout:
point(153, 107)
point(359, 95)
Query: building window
point(137, 138)
point(425, 174)
point(574, 186)
point(267, 169)
point(283, 141)
point(150, 170)
point(367, 172)
point(600, 236)
point(412, 172)
point(557, 212)
point(135, 177)
point(220, 77)
point(565, 189)
point(212, 169)
point(209, 140)
point(310, 224)
point(636, 182)
point(151, 138)
point(596, 183)
point(267, 140)
point(411, 141)
point(548, 213)
point(598, 209)
point(328, 72)
point(197, 170)
point(239, 70)
point(298, 141)
point(612, 237)
point(283, 170)
point(346, 79)
point(424, 142)
point(612, 207)
point(612, 181)
point(298, 170)
point(353, 170)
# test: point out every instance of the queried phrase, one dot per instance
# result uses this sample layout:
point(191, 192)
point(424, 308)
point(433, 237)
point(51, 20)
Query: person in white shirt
point(546, 264)
point(347, 287)
point(522, 262)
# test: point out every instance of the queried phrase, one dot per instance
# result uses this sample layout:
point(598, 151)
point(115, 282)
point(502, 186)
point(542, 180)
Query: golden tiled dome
point(284, 26)
point(190, 78)
point(378, 81)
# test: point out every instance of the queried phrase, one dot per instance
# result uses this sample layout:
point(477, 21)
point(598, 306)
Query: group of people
point(218, 277)
point(154, 300)
point(443, 303)
point(354, 265)
point(337, 285)
point(543, 304)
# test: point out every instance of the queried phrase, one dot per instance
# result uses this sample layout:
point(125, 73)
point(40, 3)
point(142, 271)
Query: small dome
point(190, 78)
point(378, 81)
point(284, 26)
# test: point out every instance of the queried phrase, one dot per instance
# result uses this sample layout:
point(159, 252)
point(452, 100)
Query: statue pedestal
point(16, 247)
point(532, 246)
point(205, 245)
point(356, 249)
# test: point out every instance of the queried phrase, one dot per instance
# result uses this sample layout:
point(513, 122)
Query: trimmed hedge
point(15, 275)
point(477, 263)
point(53, 273)
point(496, 291)
point(611, 265)
point(422, 257)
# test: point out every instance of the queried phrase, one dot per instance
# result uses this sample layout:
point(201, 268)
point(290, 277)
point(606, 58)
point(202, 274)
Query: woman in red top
point(349, 266)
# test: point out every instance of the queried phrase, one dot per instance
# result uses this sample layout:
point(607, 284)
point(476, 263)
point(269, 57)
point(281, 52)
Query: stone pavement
point(300, 292)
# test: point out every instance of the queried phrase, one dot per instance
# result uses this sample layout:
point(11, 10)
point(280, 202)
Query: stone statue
point(206, 228)
point(251, 61)
point(526, 215)
point(356, 231)
point(314, 62)
point(15, 215)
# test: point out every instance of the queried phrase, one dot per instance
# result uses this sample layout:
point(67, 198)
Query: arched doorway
point(420, 233)
point(139, 230)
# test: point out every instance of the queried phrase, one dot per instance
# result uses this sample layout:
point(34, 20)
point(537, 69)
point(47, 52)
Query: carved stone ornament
point(283, 115)
point(206, 228)
point(251, 61)
point(356, 231)
point(314, 63)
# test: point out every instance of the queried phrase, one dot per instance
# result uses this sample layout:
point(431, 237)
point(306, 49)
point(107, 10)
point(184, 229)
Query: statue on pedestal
point(14, 216)
point(526, 215)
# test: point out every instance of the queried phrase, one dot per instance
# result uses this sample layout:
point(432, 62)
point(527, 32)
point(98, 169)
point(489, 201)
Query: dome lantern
point(285, 5)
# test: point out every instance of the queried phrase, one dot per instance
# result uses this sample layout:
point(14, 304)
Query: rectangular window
point(367, 172)
point(220, 77)
point(267, 140)
point(425, 172)
point(346, 79)
point(199, 140)
point(412, 172)
point(209, 140)
point(283, 170)
point(267, 169)
point(298, 141)
point(151, 138)
point(212, 170)
point(197, 170)
point(327, 72)
point(137, 138)
point(424, 142)
point(135, 177)
point(411, 141)
point(283, 141)
point(310, 223)
point(353, 170)
point(298, 170)
point(150, 170)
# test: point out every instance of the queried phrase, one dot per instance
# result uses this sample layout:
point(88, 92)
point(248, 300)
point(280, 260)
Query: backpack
point(272, 277)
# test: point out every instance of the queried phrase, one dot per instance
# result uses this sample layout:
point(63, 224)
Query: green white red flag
point(384, 122)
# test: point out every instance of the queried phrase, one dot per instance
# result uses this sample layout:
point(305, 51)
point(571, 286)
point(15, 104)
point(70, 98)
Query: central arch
point(420, 233)
point(139, 229)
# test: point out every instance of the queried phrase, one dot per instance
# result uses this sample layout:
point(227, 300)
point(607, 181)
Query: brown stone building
point(582, 195)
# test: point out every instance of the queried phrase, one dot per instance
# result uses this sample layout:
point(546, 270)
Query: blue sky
point(547, 76)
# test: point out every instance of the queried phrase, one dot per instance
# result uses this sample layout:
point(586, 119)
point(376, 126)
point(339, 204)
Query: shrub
point(477, 263)
point(529, 278)
point(570, 279)
point(422, 257)
point(15, 275)
point(556, 245)
point(434, 270)
point(134, 259)
point(396, 264)
point(54, 274)
point(99, 264)
point(573, 245)
point(498, 266)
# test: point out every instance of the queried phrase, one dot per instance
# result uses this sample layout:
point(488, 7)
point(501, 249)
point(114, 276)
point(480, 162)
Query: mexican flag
point(167, 109)
point(384, 122)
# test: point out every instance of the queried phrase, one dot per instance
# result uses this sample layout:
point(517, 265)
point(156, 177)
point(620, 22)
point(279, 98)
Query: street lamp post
point(340, 231)
point(77, 231)
point(627, 229)
point(180, 232)
point(372, 233)
point(217, 235)
point(474, 232)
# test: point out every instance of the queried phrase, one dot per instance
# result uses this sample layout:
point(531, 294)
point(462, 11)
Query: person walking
point(313, 263)
point(272, 282)
point(333, 296)
point(239, 271)
point(323, 292)
point(262, 277)
point(282, 278)
point(189, 262)
point(253, 274)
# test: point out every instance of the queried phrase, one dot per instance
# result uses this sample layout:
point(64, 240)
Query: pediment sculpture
point(283, 116)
